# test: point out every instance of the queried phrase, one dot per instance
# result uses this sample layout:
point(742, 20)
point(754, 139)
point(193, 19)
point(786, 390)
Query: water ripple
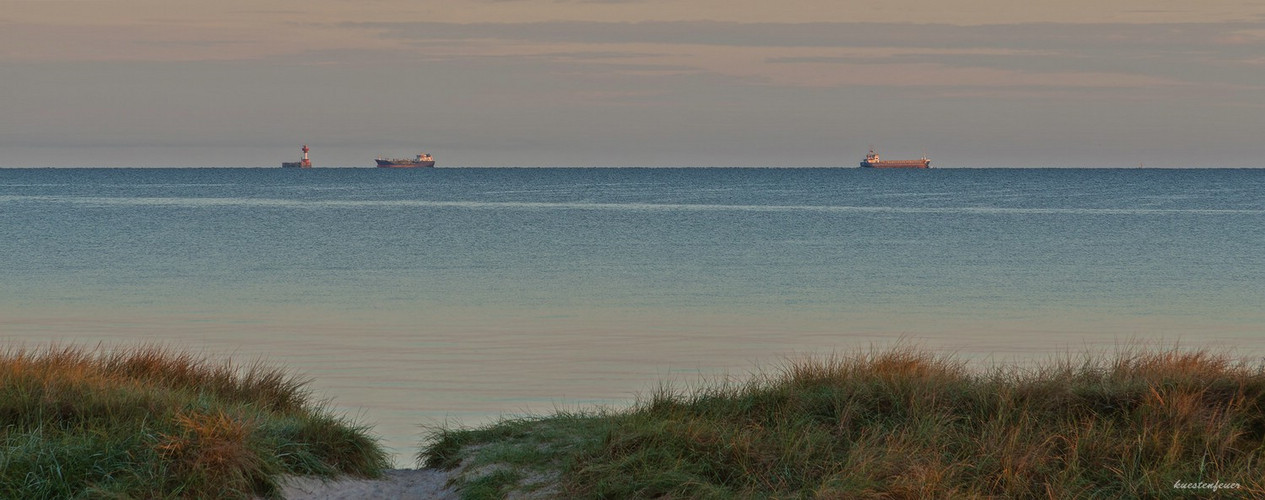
point(204, 202)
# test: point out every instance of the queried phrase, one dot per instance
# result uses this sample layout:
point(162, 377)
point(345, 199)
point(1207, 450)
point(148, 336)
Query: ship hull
point(897, 164)
point(408, 164)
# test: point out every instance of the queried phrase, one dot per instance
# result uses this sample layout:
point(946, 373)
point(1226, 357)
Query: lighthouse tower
point(306, 162)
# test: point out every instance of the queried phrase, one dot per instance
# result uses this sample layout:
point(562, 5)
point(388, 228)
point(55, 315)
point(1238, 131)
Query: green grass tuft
point(153, 423)
point(901, 424)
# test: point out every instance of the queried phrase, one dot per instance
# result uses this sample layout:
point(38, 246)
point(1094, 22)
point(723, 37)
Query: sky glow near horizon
point(973, 83)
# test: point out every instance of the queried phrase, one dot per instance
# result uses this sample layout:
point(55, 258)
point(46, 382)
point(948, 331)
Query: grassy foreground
point(152, 423)
point(898, 424)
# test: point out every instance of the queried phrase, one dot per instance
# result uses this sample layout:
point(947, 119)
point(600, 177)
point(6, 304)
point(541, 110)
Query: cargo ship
point(304, 163)
point(422, 160)
point(872, 161)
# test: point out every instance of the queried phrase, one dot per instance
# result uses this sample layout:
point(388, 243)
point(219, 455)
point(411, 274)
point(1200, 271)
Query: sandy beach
point(395, 484)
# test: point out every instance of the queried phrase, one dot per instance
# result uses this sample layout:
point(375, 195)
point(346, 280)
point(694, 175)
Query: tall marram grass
point(150, 422)
point(908, 424)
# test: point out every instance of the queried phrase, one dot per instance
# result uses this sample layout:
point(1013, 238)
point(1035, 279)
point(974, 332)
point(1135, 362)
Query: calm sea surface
point(423, 296)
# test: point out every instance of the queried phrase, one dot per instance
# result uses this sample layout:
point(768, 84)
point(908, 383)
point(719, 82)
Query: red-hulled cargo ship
point(872, 161)
point(422, 160)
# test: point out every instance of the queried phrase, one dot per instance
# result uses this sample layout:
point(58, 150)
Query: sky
point(970, 83)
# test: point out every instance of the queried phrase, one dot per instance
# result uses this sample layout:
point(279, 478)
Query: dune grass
point(901, 423)
point(150, 422)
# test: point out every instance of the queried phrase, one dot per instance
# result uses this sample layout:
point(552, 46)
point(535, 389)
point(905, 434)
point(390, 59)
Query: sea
point(458, 296)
